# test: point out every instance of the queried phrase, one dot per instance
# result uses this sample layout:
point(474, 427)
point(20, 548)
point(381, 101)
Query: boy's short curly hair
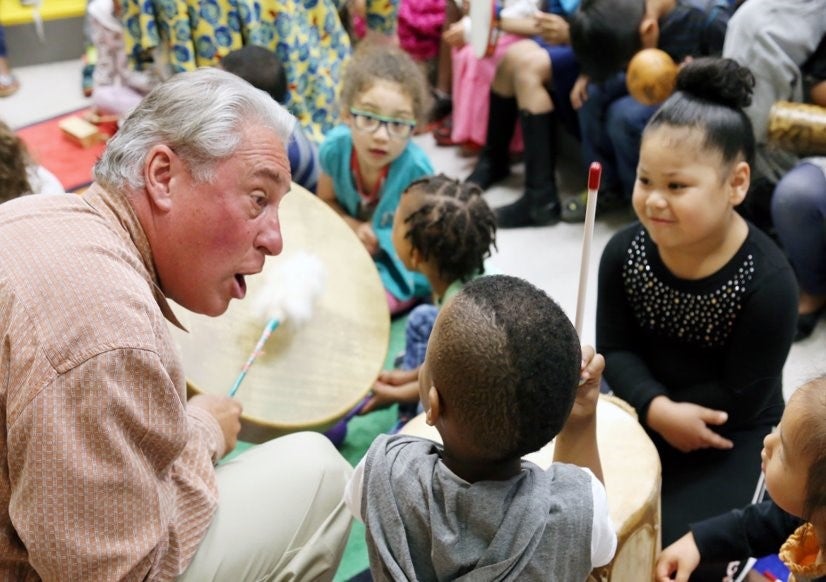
point(453, 225)
point(372, 62)
point(14, 163)
point(506, 360)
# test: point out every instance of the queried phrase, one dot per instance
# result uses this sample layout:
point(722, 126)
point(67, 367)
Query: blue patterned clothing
point(306, 35)
point(412, 164)
point(303, 156)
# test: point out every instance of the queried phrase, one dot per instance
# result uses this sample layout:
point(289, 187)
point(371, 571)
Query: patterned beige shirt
point(105, 474)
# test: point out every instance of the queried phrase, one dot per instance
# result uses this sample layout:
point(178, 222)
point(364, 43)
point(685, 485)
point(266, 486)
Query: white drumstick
point(594, 175)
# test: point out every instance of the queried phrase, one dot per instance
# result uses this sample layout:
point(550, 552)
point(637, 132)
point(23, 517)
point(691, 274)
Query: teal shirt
point(334, 155)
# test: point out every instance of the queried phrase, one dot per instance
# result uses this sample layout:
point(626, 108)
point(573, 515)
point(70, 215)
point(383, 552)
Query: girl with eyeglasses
point(368, 161)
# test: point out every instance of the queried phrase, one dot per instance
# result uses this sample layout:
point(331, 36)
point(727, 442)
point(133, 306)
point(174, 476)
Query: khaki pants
point(280, 514)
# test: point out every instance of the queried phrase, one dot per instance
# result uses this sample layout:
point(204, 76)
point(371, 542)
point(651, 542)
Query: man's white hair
point(200, 115)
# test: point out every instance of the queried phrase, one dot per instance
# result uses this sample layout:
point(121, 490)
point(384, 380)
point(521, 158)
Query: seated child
point(696, 307)
point(499, 381)
point(368, 161)
point(794, 464)
point(443, 229)
point(117, 87)
point(262, 69)
point(19, 174)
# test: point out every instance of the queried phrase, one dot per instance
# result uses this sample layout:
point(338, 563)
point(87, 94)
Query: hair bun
point(721, 81)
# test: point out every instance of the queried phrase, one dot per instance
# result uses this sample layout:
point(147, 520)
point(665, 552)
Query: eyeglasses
point(371, 122)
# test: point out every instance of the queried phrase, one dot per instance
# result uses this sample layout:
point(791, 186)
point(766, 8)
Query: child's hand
point(579, 93)
point(391, 387)
point(685, 425)
point(368, 238)
point(678, 561)
point(585, 405)
point(455, 35)
point(552, 28)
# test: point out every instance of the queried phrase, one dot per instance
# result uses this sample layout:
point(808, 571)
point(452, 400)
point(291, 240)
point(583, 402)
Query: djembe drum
point(798, 127)
point(308, 377)
point(484, 27)
point(631, 468)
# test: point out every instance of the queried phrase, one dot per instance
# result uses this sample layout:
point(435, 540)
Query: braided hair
point(454, 225)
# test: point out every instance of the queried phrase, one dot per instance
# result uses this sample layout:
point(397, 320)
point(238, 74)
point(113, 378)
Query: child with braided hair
point(444, 230)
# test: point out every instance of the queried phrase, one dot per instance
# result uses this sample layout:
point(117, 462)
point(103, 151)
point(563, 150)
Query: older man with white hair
point(108, 472)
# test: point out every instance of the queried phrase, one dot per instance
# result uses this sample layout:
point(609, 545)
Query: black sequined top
point(720, 341)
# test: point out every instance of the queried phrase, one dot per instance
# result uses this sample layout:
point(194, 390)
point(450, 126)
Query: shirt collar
point(116, 208)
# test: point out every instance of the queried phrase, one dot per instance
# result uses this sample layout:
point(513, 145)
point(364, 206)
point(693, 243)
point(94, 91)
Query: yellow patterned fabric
point(307, 35)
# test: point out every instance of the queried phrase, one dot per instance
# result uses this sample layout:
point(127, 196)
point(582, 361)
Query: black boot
point(494, 163)
point(539, 205)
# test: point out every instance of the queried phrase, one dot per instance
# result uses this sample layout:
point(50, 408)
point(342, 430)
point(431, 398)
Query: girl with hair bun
point(697, 307)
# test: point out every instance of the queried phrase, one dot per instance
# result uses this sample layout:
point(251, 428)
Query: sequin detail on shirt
point(706, 319)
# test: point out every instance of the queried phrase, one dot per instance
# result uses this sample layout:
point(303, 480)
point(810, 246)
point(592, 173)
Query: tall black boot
point(494, 162)
point(539, 205)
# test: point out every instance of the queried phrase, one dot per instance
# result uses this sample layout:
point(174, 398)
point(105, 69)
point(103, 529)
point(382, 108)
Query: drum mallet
point(594, 175)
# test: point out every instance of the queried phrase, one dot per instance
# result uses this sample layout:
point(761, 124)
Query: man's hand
point(685, 425)
point(227, 411)
point(678, 561)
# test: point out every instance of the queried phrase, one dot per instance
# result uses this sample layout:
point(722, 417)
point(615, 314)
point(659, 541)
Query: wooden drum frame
point(307, 377)
point(631, 468)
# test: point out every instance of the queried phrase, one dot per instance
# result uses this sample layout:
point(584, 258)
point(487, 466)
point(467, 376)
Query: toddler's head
point(794, 455)
point(446, 223)
point(501, 370)
point(14, 163)
point(383, 95)
point(259, 67)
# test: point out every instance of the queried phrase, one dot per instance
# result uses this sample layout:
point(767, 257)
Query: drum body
point(798, 127)
point(484, 31)
point(308, 376)
point(631, 468)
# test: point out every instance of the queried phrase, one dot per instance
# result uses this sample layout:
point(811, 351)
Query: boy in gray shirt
point(499, 381)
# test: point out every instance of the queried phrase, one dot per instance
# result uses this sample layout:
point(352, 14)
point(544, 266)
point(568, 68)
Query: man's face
point(217, 233)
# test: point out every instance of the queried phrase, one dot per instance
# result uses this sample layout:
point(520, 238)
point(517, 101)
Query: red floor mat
point(71, 163)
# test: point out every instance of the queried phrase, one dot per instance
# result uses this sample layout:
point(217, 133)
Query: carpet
point(71, 163)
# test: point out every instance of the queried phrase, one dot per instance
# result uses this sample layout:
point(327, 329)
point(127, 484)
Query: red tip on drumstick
point(594, 175)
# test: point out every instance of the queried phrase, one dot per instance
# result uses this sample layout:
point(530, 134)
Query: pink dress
point(472, 78)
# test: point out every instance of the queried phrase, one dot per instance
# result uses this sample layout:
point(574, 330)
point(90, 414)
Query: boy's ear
point(159, 167)
point(739, 182)
point(649, 32)
point(415, 258)
point(434, 406)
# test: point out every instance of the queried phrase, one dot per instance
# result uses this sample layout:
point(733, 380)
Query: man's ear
point(649, 32)
point(434, 406)
point(159, 167)
point(739, 182)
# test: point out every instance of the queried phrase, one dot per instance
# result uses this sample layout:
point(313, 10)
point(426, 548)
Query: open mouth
point(242, 285)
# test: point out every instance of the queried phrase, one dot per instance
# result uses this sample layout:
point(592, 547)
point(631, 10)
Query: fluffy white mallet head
point(291, 289)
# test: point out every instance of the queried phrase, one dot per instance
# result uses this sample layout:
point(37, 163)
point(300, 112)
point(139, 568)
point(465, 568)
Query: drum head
point(482, 30)
point(308, 376)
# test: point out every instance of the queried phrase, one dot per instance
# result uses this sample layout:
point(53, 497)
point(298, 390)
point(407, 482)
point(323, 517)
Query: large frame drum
point(309, 376)
point(631, 468)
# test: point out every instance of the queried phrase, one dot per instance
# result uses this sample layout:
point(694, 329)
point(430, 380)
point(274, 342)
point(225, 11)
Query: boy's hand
point(227, 411)
point(678, 561)
point(579, 93)
point(684, 425)
point(585, 405)
point(393, 386)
